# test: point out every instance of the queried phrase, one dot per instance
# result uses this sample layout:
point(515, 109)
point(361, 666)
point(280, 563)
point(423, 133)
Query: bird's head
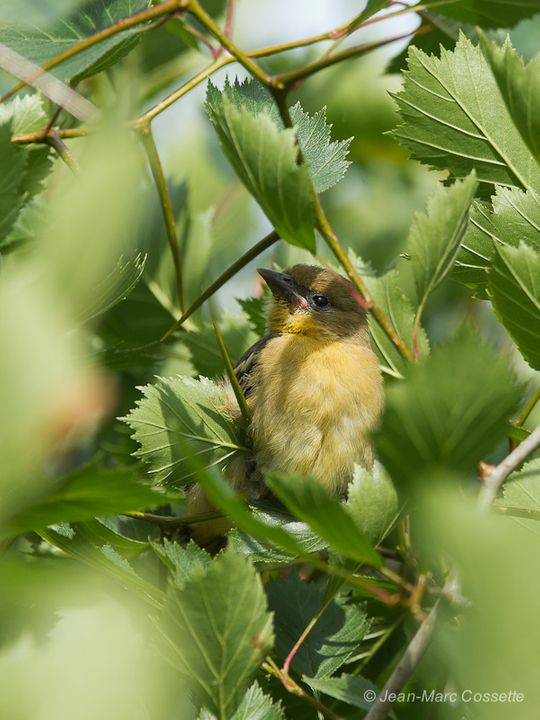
point(317, 302)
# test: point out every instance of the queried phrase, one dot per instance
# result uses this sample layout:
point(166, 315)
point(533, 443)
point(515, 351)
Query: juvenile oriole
point(312, 384)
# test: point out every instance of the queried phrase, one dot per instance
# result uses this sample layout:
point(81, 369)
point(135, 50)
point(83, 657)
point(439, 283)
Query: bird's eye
point(320, 301)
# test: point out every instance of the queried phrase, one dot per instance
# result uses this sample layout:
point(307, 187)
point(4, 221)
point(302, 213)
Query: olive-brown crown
point(330, 307)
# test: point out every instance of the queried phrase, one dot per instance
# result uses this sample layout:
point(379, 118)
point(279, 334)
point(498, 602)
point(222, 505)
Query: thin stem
point(150, 114)
point(243, 260)
point(512, 461)
point(405, 667)
point(202, 16)
point(168, 214)
point(143, 16)
point(528, 408)
point(309, 627)
point(291, 686)
point(365, 298)
point(41, 136)
point(173, 520)
point(378, 644)
point(292, 77)
point(238, 392)
point(55, 141)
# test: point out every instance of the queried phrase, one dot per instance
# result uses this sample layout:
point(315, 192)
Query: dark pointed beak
point(284, 288)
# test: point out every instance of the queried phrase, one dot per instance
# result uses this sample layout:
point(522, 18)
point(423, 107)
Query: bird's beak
point(284, 288)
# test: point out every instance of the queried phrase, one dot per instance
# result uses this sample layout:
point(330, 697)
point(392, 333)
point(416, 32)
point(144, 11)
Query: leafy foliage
point(334, 638)
point(309, 602)
point(514, 285)
point(179, 412)
point(264, 157)
point(228, 633)
point(447, 124)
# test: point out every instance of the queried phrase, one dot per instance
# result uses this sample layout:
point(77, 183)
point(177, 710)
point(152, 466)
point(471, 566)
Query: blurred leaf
point(264, 157)
point(36, 13)
point(514, 289)
point(334, 638)
point(255, 310)
point(87, 493)
point(205, 355)
point(77, 543)
point(309, 501)
point(176, 412)
point(13, 159)
point(219, 630)
point(114, 287)
point(326, 159)
point(435, 237)
point(257, 706)
point(42, 44)
point(184, 561)
point(349, 689)
point(487, 13)
point(373, 502)
point(449, 412)
point(519, 85)
point(443, 108)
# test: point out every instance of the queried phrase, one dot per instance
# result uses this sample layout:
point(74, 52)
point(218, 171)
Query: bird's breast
point(313, 407)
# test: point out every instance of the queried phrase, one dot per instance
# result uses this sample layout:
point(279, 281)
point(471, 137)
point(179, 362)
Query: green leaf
point(515, 218)
point(86, 493)
point(28, 13)
point(477, 248)
point(42, 44)
point(522, 491)
point(114, 287)
point(24, 166)
point(256, 705)
point(387, 293)
point(335, 636)
point(448, 413)
point(176, 413)
point(262, 550)
point(264, 157)
point(519, 85)
point(309, 501)
point(372, 7)
point(373, 502)
point(205, 355)
point(219, 630)
point(255, 310)
point(514, 289)
point(184, 561)
point(349, 689)
point(435, 237)
point(454, 118)
point(326, 159)
point(489, 13)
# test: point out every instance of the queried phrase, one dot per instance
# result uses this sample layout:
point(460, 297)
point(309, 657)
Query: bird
point(313, 387)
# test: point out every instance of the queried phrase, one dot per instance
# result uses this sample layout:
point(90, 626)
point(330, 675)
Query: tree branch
point(498, 475)
point(405, 667)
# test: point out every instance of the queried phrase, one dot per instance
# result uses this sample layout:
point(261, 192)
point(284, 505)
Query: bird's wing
point(246, 364)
